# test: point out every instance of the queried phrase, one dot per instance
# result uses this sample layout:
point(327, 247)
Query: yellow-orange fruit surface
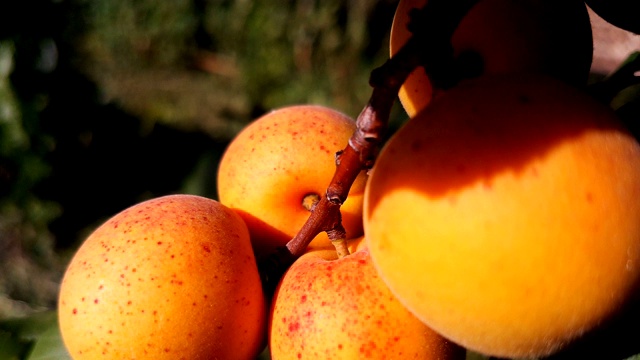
point(329, 308)
point(169, 278)
point(505, 36)
point(276, 161)
point(506, 215)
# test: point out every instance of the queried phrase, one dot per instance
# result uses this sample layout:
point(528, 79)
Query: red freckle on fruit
point(303, 298)
point(159, 242)
point(362, 262)
point(294, 326)
point(396, 338)
point(340, 346)
point(299, 356)
point(129, 302)
point(96, 301)
point(75, 311)
point(100, 287)
point(206, 248)
point(589, 197)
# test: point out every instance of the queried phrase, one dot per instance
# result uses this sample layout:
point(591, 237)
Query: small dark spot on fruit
point(74, 311)
point(589, 197)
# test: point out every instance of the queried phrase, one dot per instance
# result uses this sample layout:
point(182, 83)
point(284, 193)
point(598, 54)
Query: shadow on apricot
point(615, 339)
point(460, 141)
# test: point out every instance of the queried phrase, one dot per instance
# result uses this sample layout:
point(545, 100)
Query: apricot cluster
point(501, 218)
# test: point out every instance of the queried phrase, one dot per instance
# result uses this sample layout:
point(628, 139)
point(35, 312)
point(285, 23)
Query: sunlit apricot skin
point(547, 36)
point(505, 215)
point(170, 278)
point(329, 308)
point(272, 164)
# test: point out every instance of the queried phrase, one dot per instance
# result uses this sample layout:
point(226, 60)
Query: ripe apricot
point(506, 36)
point(329, 308)
point(169, 278)
point(505, 214)
point(278, 160)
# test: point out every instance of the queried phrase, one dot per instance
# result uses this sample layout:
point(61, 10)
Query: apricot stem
point(429, 46)
point(341, 247)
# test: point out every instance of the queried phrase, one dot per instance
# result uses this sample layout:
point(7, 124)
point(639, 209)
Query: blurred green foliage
point(105, 103)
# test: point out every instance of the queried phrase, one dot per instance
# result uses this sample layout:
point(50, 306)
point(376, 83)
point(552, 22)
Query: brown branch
point(430, 46)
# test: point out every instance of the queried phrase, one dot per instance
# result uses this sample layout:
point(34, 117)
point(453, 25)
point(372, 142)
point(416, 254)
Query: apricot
point(329, 308)
point(169, 278)
point(273, 164)
point(505, 215)
point(506, 36)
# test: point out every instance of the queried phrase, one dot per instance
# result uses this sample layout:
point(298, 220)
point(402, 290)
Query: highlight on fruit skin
point(505, 215)
point(330, 308)
point(274, 163)
point(169, 278)
point(505, 36)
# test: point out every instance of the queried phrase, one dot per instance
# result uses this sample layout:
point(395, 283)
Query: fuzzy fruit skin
point(505, 215)
point(169, 278)
point(328, 308)
point(547, 36)
point(271, 165)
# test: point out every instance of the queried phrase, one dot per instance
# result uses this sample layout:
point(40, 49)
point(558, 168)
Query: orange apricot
point(505, 36)
point(169, 278)
point(505, 215)
point(330, 308)
point(272, 165)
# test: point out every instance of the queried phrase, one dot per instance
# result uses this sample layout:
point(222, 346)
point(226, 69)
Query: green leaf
point(34, 337)
point(49, 346)
point(11, 348)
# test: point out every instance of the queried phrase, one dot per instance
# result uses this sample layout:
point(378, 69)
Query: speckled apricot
point(276, 161)
point(170, 278)
point(506, 36)
point(506, 215)
point(325, 308)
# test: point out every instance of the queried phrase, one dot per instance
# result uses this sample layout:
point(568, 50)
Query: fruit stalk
point(430, 46)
